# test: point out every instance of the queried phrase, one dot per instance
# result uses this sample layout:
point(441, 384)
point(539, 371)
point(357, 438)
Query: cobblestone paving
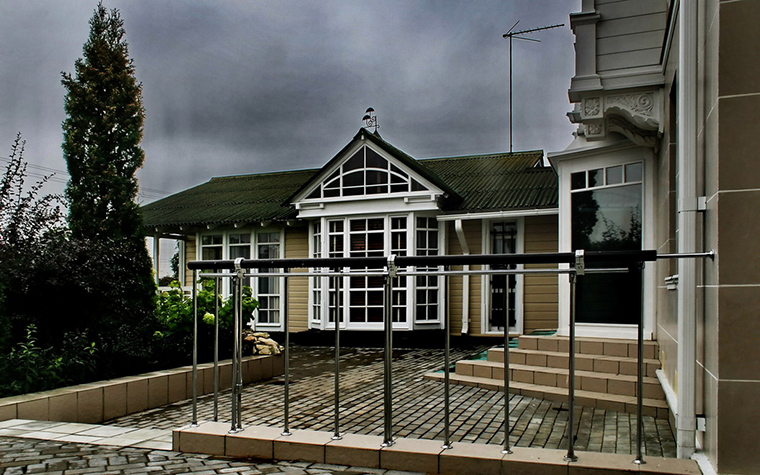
point(27, 456)
point(477, 415)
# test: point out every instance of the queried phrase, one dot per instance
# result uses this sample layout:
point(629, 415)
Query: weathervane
point(370, 119)
point(515, 34)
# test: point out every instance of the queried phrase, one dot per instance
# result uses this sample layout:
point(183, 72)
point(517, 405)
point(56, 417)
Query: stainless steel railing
point(392, 267)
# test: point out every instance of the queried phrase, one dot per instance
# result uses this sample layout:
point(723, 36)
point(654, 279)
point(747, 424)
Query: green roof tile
point(228, 200)
point(498, 181)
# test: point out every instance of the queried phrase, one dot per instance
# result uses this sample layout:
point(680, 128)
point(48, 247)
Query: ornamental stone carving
point(636, 115)
point(592, 107)
point(594, 130)
point(637, 108)
point(643, 137)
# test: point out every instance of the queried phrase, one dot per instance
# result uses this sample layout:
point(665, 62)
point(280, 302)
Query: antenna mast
point(516, 34)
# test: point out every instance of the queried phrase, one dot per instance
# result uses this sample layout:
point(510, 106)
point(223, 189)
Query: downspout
point(687, 229)
point(156, 255)
point(465, 278)
point(182, 263)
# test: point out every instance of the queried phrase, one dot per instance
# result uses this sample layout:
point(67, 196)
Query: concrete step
point(615, 384)
point(651, 407)
point(583, 362)
point(589, 346)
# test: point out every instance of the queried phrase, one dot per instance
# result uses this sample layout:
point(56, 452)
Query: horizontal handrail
point(380, 273)
point(590, 257)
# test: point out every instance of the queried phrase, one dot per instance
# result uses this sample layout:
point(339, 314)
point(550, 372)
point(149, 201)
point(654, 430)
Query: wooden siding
point(190, 255)
point(473, 235)
point(297, 246)
point(540, 292)
point(630, 34)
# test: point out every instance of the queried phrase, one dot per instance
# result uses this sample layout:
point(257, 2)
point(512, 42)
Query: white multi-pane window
point(247, 244)
point(426, 304)
point(398, 247)
point(240, 246)
point(362, 298)
point(212, 247)
point(268, 288)
point(607, 216)
point(367, 238)
point(336, 246)
point(316, 282)
point(366, 173)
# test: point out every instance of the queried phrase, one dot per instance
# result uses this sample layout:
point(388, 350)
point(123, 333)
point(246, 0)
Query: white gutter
point(465, 278)
point(500, 214)
point(687, 231)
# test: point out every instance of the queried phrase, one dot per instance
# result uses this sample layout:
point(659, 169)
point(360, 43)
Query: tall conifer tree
point(102, 134)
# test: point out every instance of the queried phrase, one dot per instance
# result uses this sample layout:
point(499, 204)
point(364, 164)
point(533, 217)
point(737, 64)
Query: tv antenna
point(516, 35)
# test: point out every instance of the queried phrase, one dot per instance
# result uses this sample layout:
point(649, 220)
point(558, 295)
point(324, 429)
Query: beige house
point(667, 96)
point(372, 199)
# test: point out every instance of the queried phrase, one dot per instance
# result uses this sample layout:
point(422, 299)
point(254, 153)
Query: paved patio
point(476, 414)
point(28, 455)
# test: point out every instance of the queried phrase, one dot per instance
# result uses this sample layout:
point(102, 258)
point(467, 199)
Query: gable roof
point(404, 158)
point(478, 183)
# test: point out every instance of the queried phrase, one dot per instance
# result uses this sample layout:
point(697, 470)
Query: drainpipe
point(465, 278)
point(687, 228)
point(182, 262)
point(156, 254)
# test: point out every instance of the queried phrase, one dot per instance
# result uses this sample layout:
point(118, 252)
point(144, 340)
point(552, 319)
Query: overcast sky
point(233, 87)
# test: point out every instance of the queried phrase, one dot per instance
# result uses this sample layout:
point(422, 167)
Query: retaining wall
point(100, 401)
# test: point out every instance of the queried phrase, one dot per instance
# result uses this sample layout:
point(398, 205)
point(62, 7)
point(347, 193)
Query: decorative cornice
point(636, 115)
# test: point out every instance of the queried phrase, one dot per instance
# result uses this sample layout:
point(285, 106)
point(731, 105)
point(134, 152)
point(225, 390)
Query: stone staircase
point(605, 372)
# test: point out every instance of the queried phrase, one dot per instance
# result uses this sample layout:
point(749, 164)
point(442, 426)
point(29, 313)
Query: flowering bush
point(175, 309)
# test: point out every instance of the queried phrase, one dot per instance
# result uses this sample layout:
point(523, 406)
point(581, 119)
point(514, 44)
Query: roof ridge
point(485, 155)
point(278, 172)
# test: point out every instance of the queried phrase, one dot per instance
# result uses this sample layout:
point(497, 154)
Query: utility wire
point(60, 176)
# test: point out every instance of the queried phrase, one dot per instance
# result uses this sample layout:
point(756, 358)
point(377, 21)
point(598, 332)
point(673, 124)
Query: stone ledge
point(100, 401)
point(411, 454)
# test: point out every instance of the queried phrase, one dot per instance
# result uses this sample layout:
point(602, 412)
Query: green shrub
point(172, 333)
point(30, 368)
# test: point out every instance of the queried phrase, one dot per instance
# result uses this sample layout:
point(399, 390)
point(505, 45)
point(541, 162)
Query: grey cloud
point(242, 87)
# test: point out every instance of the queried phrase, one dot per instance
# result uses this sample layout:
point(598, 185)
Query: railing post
point(640, 376)
point(236, 382)
point(216, 349)
point(194, 421)
point(286, 356)
point(446, 364)
point(507, 428)
point(388, 403)
point(336, 432)
point(239, 316)
point(580, 267)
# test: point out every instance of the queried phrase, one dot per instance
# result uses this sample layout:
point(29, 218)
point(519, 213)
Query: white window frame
point(253, 247)
point(423, 323)
point(485, 295)
point(410, 323)
point(280, 284)
point(590, 160)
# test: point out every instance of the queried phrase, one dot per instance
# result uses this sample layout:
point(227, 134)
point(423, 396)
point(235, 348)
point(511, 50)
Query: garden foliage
point(174, 320)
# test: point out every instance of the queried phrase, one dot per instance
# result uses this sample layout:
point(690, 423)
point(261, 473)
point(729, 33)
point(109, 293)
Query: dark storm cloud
point(251, 86)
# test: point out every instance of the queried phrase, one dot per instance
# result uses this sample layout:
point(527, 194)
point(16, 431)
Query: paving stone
point(476, 415)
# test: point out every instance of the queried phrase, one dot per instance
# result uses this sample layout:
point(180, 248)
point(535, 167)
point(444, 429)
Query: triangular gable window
point(366, 173)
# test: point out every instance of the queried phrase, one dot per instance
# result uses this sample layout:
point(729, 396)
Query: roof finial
point(370, 119)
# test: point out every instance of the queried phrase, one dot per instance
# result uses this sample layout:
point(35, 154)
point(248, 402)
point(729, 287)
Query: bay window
point(415, 298)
